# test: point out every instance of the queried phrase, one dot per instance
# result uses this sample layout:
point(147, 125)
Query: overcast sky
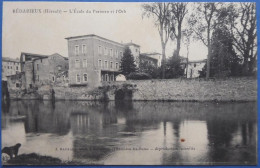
point(44, 33)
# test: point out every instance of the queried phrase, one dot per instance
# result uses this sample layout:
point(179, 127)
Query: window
point(38, 78)
point(111, 64)
point(53, 79)
point(77, 63)
point(111, 52)
point(116, 65)
point(76, 50)
point(99, 49)
point(116, 53)
point(85, 77)
point(121, 54)
point(17, 68)
point(37, 67)
point(85, 63)
point(78, 78)
point(17, 85)
point(106, 51)
point(84, 49)
point(105, 64)
point(99, 63)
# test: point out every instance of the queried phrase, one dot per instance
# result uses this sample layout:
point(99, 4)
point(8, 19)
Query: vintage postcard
point(129, 83)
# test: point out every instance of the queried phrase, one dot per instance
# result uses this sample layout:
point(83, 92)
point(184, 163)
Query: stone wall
point(77, 93)
point(232, 89)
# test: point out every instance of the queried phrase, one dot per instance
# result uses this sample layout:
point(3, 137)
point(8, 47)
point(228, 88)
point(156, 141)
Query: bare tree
point(160, 12)
point(178, 12)
point(203, 21)
point(243, 28)
point(187, 33)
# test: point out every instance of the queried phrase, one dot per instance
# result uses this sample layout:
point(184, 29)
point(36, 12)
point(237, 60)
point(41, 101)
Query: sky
point(45, 33)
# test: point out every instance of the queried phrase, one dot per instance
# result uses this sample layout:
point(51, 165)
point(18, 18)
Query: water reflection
point(166, 133)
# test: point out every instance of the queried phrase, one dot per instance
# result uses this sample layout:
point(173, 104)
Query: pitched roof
point(7, 59)
point(152, 53)
point(57, 54)
point(92, 35)
point(147, 56)
point(129, 44)
point(34, 55)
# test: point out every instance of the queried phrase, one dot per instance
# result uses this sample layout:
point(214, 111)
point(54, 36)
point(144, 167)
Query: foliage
point(202, 23)
point(203, 72)
point(150, 69)
point(173, 67)
point(178, 11)
point(139, 76)
point(224, 61)
point(161, 14)
point(243, 30)
point(127, 63)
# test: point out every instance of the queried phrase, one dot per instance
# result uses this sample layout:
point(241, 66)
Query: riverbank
point(229, 89)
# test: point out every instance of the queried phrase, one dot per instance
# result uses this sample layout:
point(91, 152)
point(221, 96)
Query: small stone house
point(42, 69)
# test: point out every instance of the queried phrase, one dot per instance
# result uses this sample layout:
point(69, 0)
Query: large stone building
point(93, 59)
point(10, 67)
point(42, 69)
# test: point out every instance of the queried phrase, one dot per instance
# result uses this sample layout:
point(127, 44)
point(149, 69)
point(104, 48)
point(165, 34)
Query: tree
point(178, 12)
point(161, 13)
point(150, 69)
point(224, 61)
point(203, 21)
point(127, 62)
point(173, 67)
point(187, 33)
point(243, 29)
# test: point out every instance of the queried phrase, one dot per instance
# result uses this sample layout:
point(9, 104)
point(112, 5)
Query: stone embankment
point(231, 89)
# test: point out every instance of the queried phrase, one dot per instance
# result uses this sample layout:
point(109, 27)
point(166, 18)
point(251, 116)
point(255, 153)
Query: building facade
point(10, 67)
point(46, 70)
point(41, 69)
point(93, 59)
point(144, 59)
point(155, 55)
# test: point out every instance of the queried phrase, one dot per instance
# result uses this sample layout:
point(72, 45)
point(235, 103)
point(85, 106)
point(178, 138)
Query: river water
point(135, 133)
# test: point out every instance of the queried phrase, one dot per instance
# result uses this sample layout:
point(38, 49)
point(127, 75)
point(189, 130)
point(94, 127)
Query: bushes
point(138, 76)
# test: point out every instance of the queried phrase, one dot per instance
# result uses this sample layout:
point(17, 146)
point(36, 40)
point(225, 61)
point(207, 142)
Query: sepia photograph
point(129, 83)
